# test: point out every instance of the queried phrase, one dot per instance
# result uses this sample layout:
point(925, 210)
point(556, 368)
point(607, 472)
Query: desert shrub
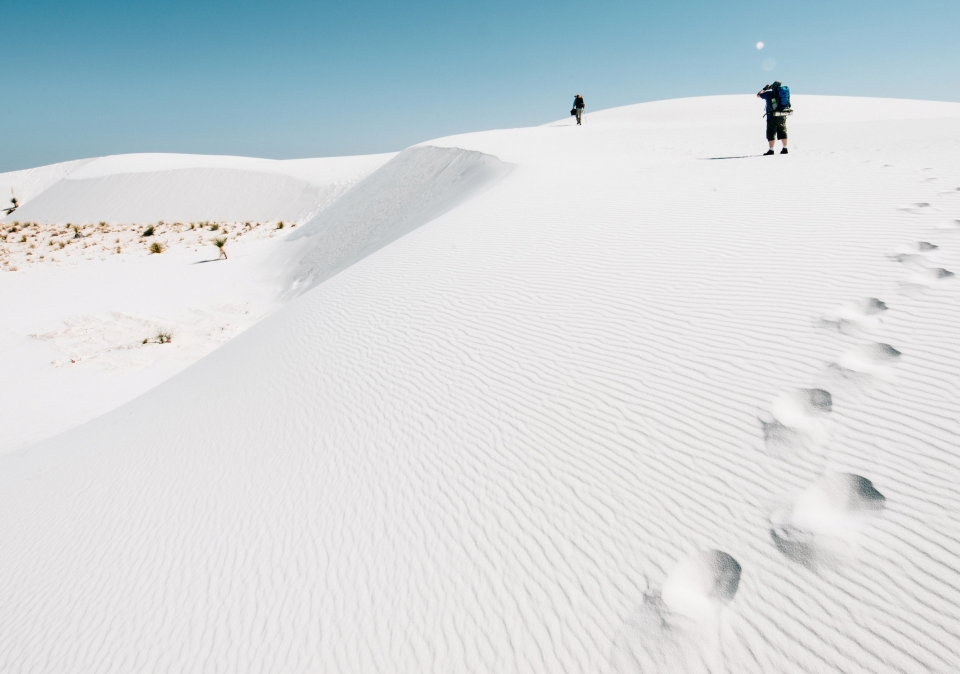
point(214, 227)
point(157, 247)
point(164, 337)
point(220, 243)
point(148, 231)
point(280, 225)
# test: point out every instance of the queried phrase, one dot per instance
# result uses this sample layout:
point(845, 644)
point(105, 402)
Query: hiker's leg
point(772, 143)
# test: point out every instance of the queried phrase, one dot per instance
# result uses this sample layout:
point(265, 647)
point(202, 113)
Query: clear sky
point(290, 78)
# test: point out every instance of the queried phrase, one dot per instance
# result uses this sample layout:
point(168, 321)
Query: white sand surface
point(84, 297)
point(144, 188)
point(647, 402)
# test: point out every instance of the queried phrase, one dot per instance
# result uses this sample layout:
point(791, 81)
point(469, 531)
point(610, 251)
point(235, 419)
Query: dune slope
point(646, 404)
point(145, 188)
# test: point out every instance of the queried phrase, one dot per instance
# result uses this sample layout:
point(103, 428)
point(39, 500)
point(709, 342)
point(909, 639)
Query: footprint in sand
point(676, 629)
point(917, 208)
point(855, 316)
point(918, 247)
point(821, 527)
point(922, 279)
point(915, 255)
point(923, 273)
point(867, 363)
point(797, 419)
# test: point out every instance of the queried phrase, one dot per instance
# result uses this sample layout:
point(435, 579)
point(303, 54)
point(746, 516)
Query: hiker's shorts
point(776, 127)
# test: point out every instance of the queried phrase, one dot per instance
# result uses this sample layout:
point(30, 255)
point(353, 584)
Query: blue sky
point(298, 79)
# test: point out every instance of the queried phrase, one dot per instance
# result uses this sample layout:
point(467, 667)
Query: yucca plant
point(220, 243)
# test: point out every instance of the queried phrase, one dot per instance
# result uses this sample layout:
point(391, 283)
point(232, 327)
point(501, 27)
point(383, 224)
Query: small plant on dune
point(157, 247)
point(103, 224)
point(76, 233)
point(62, 244)
point(214, 227)
point(148, 231)
point(220, 243)
point(118, 249)
point(23, 239)
point(164, 337)
point(280, 225)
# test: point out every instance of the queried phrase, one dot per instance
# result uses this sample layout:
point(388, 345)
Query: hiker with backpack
point(777, 97)
point(578, 108)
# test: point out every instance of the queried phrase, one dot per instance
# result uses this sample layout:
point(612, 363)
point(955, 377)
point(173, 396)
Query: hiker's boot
point(783, 151)
point(768, 153)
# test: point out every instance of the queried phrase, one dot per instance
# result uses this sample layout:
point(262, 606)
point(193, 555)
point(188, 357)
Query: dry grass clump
point(157, 247)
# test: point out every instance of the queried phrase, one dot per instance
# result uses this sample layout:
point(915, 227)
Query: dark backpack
point(781, 98)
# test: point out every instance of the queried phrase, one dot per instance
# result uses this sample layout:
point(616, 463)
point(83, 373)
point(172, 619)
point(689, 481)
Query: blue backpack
point(781, 98)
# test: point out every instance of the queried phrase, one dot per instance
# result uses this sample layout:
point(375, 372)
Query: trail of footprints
point(676, 628)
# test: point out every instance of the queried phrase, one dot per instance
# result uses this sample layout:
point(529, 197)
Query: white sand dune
point(145, 188)
point(417, 186)
point(629, 407)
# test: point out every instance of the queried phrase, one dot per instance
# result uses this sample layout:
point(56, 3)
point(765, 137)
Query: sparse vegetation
point(220, 243)
point(280, 225)
point(162, 337)
point(19, 239)
point(14, 204)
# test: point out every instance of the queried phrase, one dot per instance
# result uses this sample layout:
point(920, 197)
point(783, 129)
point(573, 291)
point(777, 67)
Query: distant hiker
point(578, 108)
point(777, 97)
